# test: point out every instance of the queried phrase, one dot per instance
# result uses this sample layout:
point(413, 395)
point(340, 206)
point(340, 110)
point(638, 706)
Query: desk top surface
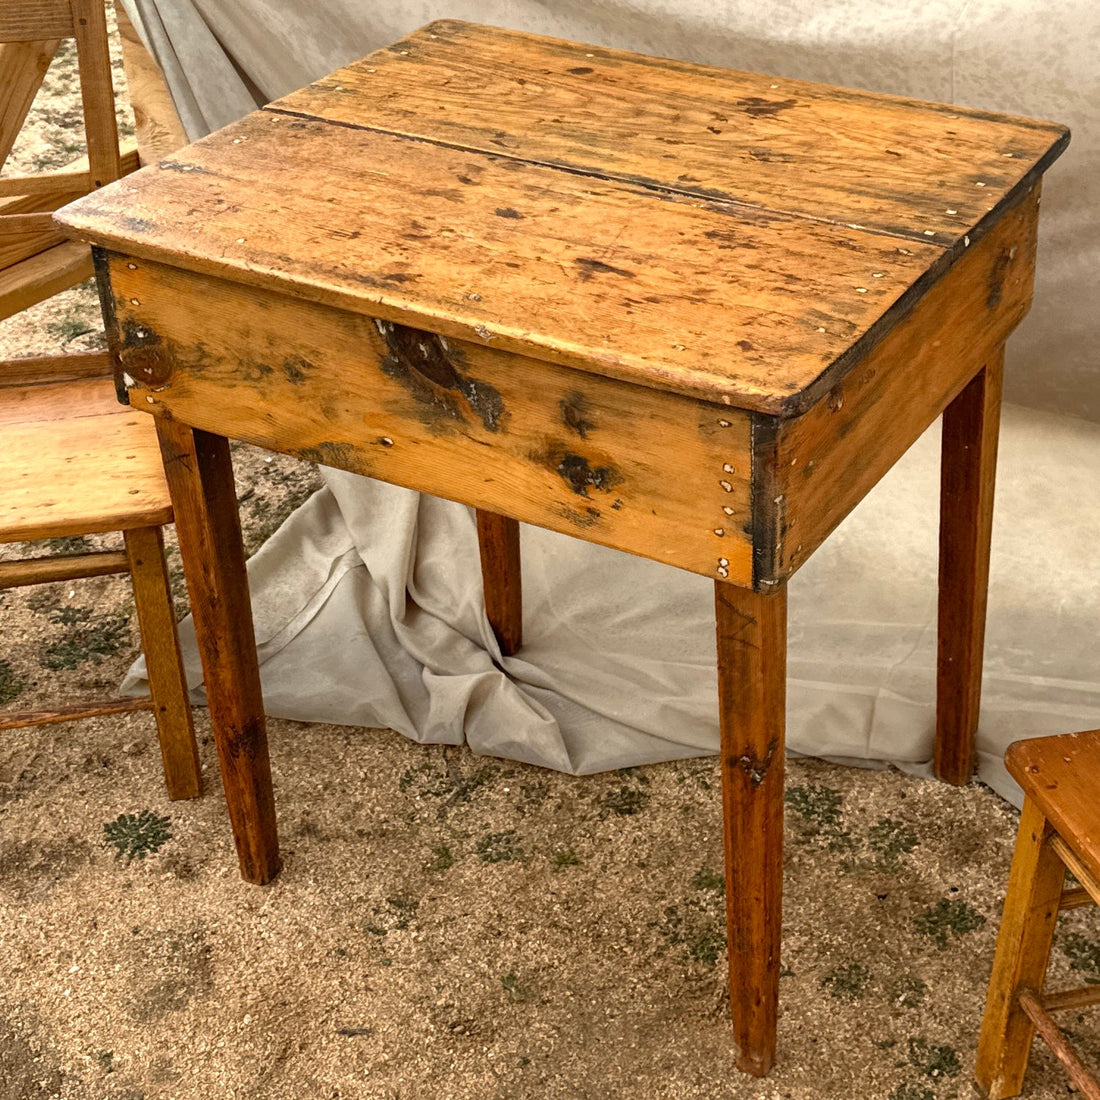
point(729, 235)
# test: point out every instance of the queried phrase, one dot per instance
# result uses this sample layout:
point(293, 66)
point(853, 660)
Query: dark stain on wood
point(342, 456)
point(295, 368)
point(580, 476)
point(997, 275)
point(745, 345)
point(102, 265)
point(142, 354)
point(588, 518)
point(574, 414)
point(762, 108)
point(179, 166)
point(508, 212)
point(756, 767)
point(766, 524)
point(580, 70)
point(432, 371)
point(590, 267)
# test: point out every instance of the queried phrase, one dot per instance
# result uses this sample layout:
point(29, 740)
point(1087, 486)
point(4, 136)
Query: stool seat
point(48, 491)
point(1061, 774)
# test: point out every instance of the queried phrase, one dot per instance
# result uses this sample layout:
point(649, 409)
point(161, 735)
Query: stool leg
point(1023, 949)
point(498, 541)
point(200, 478)
point(752, 682)
point(968, 466)
point(160, 643)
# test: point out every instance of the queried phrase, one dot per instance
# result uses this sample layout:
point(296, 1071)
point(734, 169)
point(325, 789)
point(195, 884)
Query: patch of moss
point(910, 992)
point(912, 1092)
point(566, 857)
point(1083, 955)
point(137, 835)
point(706, 879)
point(442, 858)
point(890, 839)
point(933, 1060)
point(948, 917)
point(626, 801)
point(395, 916)
point(90, 643)
point(514, 988)
point(499, 847)
point(698, 926)
point(847, 982)
point(11, 687)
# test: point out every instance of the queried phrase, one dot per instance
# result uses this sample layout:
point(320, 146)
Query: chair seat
point(99, 470)
point(1059, 774)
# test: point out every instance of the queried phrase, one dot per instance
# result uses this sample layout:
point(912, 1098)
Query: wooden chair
point(74, 461)
point(1059, 830)
point(36, 261)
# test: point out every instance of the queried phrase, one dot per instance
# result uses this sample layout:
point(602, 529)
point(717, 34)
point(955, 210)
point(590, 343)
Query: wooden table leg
point(752, 688)
point(498, 541)
point(967, 471)
point(200, 479)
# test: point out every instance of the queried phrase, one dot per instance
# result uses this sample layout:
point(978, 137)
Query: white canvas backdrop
point(368, 601)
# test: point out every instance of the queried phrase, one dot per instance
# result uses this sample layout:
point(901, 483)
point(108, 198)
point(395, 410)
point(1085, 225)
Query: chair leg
point(160, 641)
point(498, 541)
point(1023, 950)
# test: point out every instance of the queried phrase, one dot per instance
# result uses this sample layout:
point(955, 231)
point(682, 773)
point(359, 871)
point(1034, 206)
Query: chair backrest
point(31, 31)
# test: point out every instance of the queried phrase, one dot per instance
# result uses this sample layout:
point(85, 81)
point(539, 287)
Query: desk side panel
point(822, 464)
point(657, 474)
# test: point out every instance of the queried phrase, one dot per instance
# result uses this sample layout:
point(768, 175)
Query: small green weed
point(395, 916)
point(105, 1059)
point(514, 988)
point(890, 839)
point(499, 847)
point(706, 879)
point(11, 687)
point(442, 858)
point(137, 835)
point(847, 982)
point(820, 809)
point(90, 643)
point(910, 992)
point(948, 917)
point(1083, 955)
point(697, 927)
point(627, 800)
point(933, 1060)
point(566, 857)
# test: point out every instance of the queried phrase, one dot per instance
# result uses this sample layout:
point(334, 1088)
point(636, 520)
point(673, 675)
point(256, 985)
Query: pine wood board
point(1058, 774)
point(661, 475)
point(708, 299)
point(921, 171)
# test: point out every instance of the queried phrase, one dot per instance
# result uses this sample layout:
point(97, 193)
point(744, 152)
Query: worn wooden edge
point(1059, 1045)
point(44, 370)
point(102, 267)
point(691, 68)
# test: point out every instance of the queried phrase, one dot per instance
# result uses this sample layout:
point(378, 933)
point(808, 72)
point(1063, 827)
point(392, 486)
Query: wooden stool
point(1059, 831)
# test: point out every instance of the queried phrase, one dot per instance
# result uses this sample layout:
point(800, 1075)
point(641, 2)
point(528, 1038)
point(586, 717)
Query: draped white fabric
point(368, 601)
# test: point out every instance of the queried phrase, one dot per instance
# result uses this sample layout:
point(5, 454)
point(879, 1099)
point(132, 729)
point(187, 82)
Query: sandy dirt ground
point(448, 925)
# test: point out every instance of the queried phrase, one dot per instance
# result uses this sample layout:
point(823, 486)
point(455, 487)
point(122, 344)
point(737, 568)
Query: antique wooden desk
point(689, 313)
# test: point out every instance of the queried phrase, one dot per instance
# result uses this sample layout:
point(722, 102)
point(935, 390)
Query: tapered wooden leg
point(200, 478)
point(160, 642)
point(968, 467)
point(498, 541)
point(1023, 949)
point(752, 683)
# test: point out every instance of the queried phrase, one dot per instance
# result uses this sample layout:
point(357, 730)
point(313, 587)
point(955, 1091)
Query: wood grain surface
point(625, 466)
point(894, 165)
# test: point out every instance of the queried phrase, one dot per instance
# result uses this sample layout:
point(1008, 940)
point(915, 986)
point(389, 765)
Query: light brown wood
point(1066, 999)
point(502, 581)
point(752, 670)
point(22, 67)
point(625, 466)
point(1023, 948)
point(1067, 852)
point(892, 164)
point(11, 720)
point(200, 475)
point(28, 571)
point(828, 460)
point(164, 665)
point(12, 224)
point(36, 370)
point(70, 182)
point(1078, 1072)
point(159, 130)
point(1075, 899)
point(28, 20)
point(96, 90)
point(40, 277)
point(967, 472)
point(47, 491)
point(672, 295)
